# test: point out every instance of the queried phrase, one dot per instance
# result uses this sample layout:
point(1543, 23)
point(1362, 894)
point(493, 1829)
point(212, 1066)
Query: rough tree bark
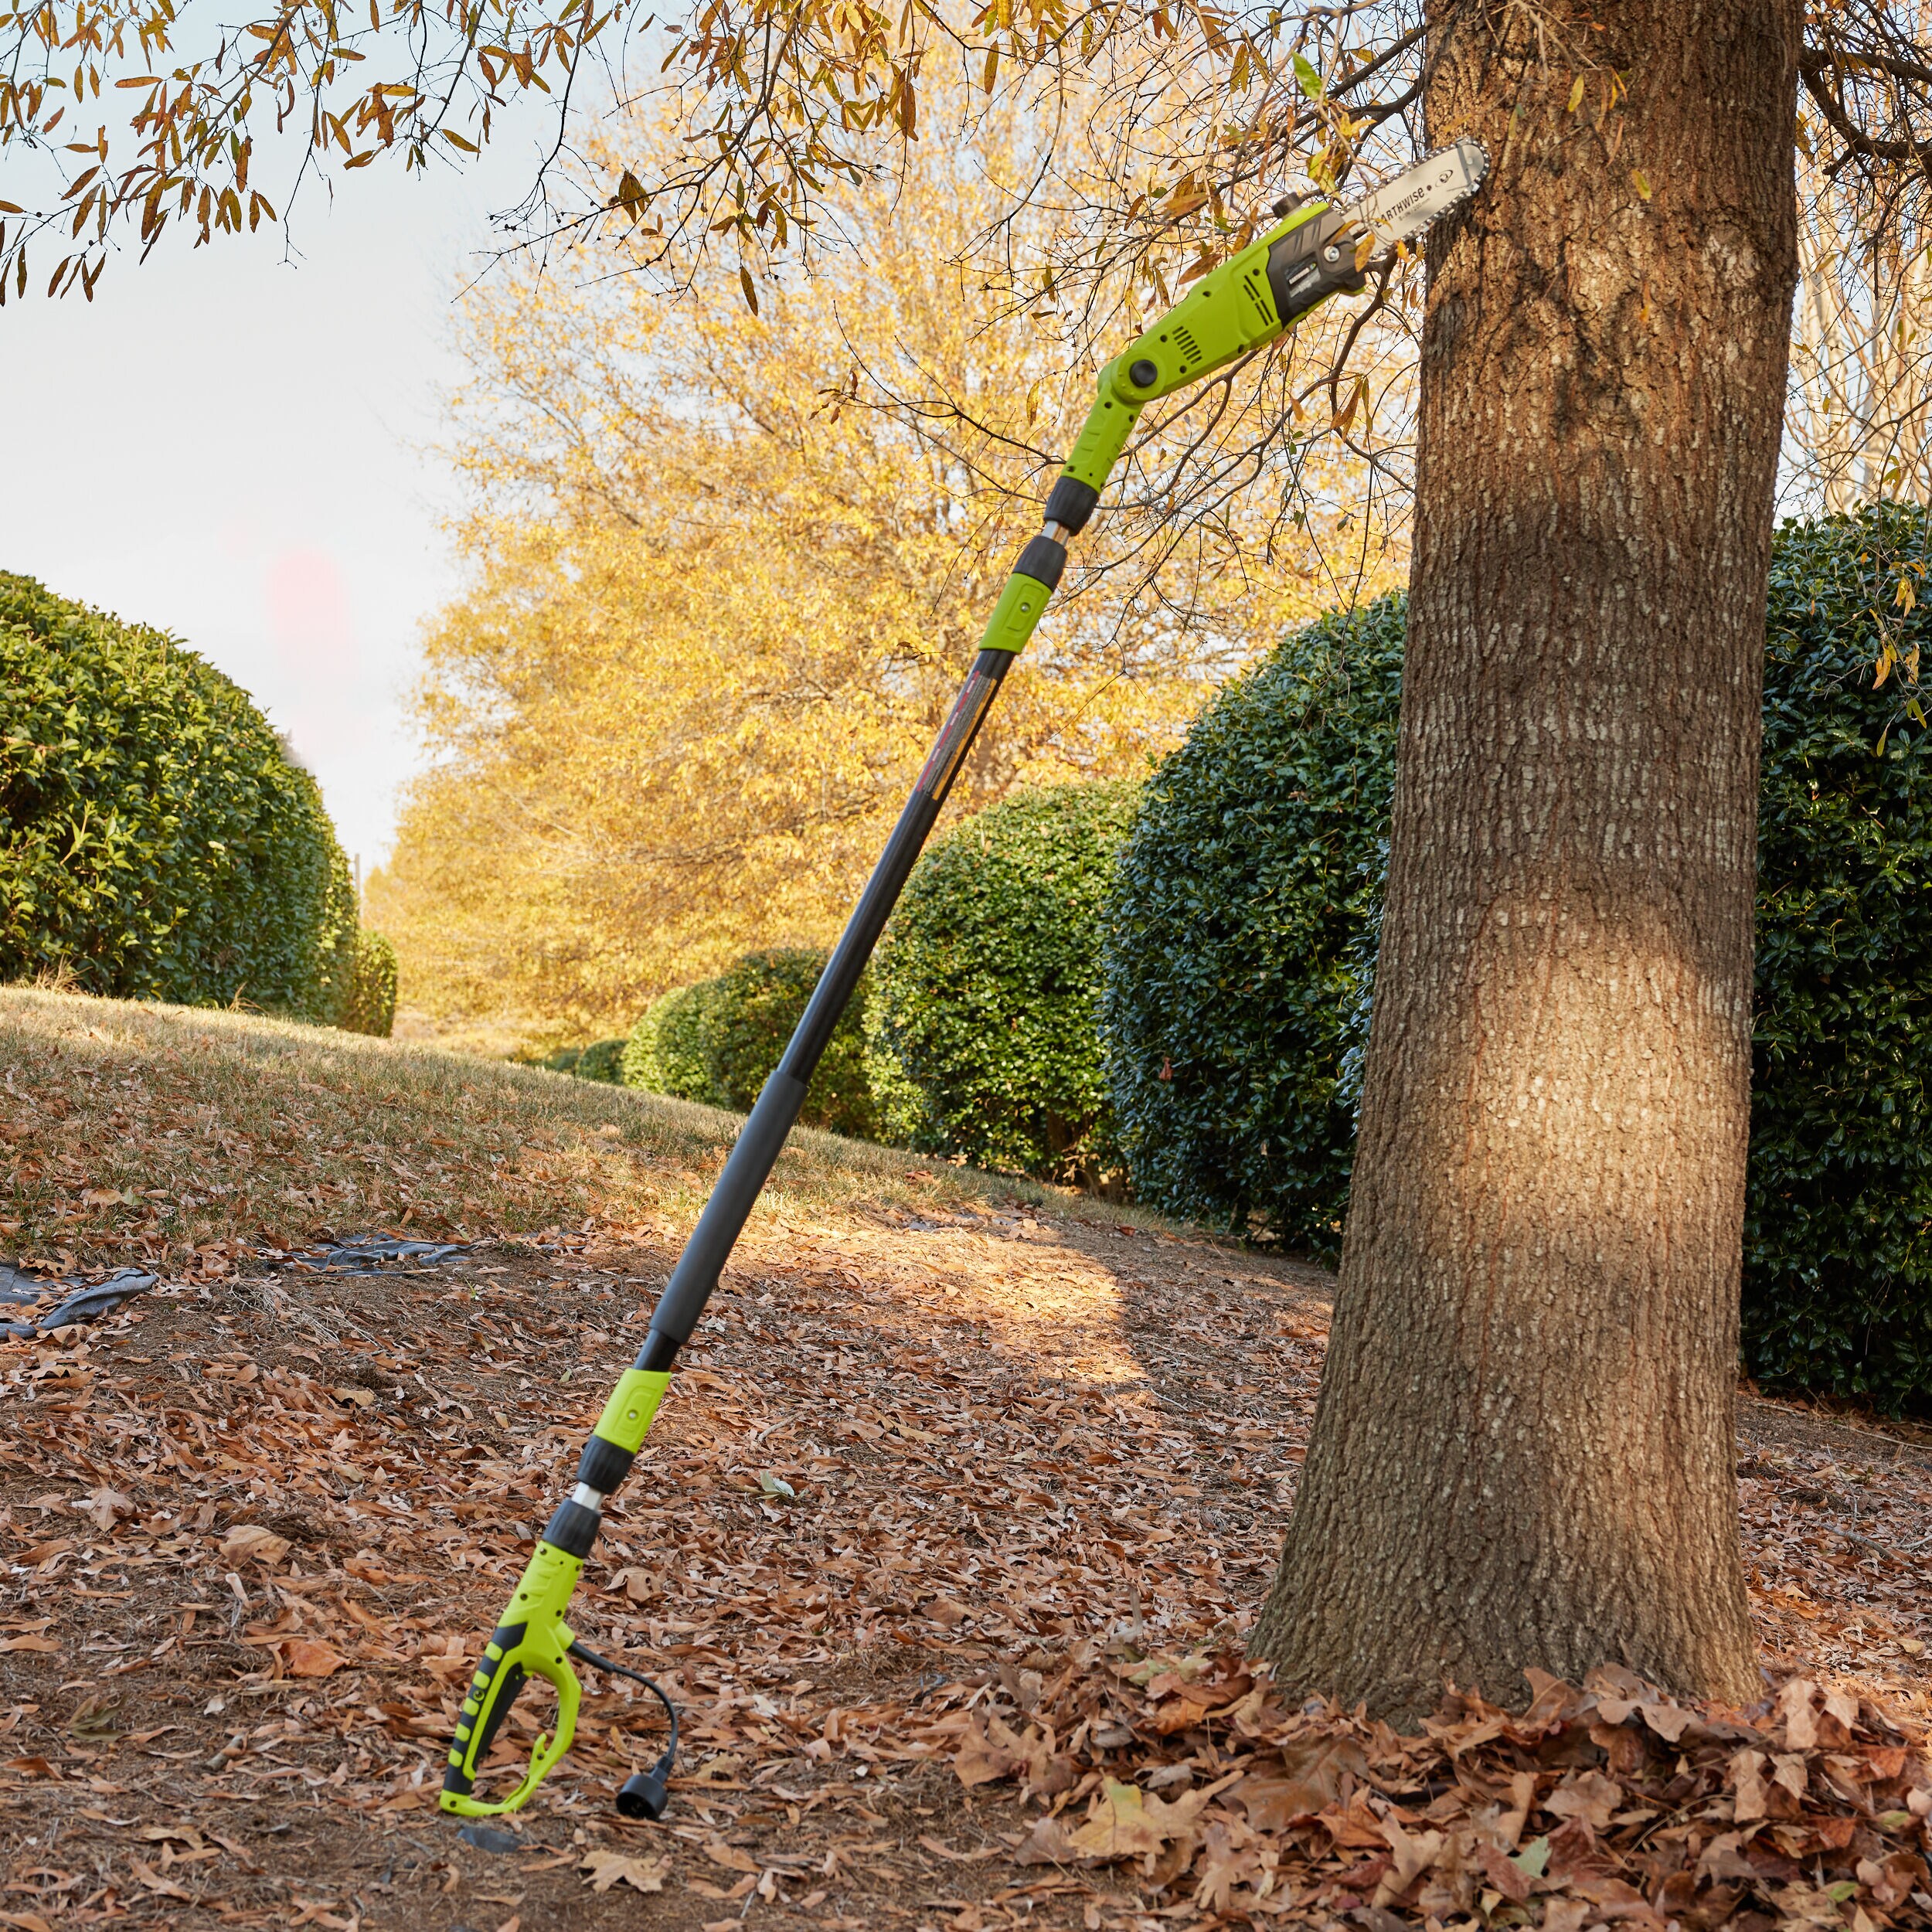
point(1523, 1452)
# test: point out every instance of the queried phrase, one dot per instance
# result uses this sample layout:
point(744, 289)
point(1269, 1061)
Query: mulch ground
point(945, 1543)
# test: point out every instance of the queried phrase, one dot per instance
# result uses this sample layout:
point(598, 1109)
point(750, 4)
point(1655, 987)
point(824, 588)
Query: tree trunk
point(1523, 1453)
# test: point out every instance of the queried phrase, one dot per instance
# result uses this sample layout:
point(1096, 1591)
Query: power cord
point(643, 1794)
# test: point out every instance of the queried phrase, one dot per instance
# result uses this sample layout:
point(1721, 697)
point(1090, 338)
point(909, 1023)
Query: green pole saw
point(1313, 251)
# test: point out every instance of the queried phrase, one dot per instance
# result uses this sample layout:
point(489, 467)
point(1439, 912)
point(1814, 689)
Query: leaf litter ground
point(945, 1543)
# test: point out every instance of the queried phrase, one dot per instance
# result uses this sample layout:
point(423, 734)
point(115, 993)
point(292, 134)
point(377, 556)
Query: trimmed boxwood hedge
point(156, 842)
point(759, 1001)
point(668, 1051)
point(1837, 1237)
point(1238, 939)
point(1240, 947)
point(982, 1032)
point(718, 1040)
point(601, 1060)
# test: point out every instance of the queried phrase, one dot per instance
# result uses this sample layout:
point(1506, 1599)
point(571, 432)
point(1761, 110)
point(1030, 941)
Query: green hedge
point(717, 1041)
point(1240, 942)
point(759, 1001)
point(668, 1050)
point(155, 841)
point(601, 1060)
point(1238, 939)
point(982, 1029)
point(368, 1005)
point(1837, 1240)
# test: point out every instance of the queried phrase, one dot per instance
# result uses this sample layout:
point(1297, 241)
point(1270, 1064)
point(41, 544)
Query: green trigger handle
point(1245, 303)
point(530, 1638)
point(533, 1640)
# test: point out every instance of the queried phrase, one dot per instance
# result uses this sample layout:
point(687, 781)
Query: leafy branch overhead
point(784, 98)
point(657, 695)
point(121, 118)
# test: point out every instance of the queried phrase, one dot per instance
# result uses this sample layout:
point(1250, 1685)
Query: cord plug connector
point(645, 1794)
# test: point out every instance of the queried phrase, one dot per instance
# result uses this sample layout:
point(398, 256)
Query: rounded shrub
point(368, 1005)
point(1837, 1238)
point(718, 1040)
point(156, 842)
point(759, 1001)
point(982, 1028)
point(1238, 937)
point(668, 1050)
point(602, 1060)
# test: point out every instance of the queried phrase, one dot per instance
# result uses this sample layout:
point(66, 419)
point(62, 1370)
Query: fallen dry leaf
point(1588, 1795)
point(171, 1835)
point(605, 1868)
point(303, 1657)
point(322, 1912)
point(249, 1543)
point(105, 1504)
point(154, 1882)
point(1122, 1822)
point(992, 1751)
point(1410, 1856)
point(1315, 1770)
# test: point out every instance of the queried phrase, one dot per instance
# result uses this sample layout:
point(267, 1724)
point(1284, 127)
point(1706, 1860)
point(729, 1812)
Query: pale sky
point(230, 447)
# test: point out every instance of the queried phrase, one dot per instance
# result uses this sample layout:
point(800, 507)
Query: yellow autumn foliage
point(727, 569)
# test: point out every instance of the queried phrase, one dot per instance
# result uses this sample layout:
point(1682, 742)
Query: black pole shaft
point(763, 1136)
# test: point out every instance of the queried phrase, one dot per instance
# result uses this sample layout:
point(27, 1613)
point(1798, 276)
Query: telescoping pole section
point(764, 1135)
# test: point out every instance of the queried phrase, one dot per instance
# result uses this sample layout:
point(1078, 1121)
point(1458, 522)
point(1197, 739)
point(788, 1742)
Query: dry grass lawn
point(188, 1139)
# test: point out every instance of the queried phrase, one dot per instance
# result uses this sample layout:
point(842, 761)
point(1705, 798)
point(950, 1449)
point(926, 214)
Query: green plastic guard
point(532, 1641)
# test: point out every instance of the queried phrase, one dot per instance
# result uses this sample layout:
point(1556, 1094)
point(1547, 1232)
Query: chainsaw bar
point(1402, 209)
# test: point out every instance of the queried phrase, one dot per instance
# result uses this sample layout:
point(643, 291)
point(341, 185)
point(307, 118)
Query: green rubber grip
point(1014, 617)
point(1103, 435)
point(627, 1416)
point(530, 1640)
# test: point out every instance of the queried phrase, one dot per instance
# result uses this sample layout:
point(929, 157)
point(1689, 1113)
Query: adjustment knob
point(1143, 374)
point(1288, 205)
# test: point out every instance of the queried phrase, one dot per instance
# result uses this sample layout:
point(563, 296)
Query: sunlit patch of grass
point(185, 1137)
